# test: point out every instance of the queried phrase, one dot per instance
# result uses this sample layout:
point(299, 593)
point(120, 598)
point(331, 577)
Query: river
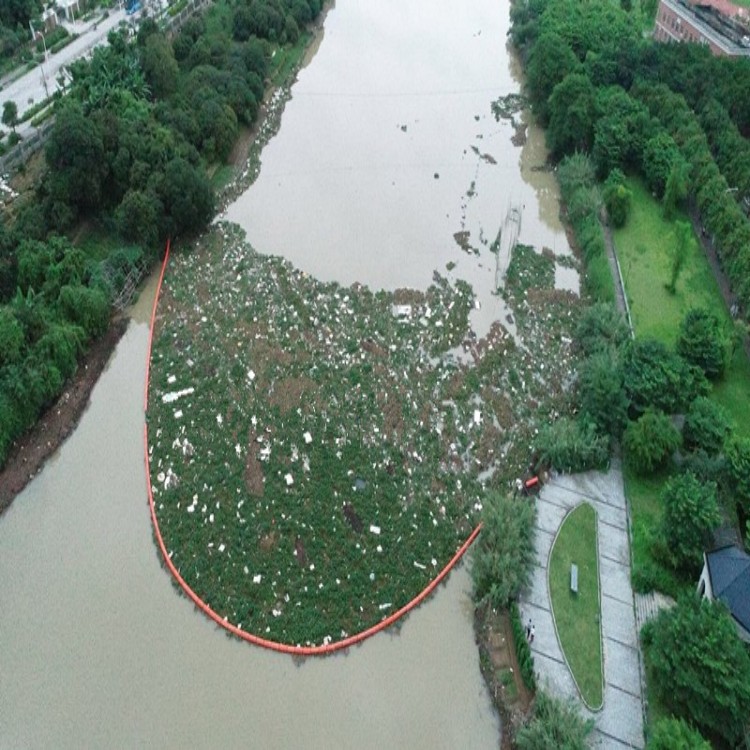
point(369, 178)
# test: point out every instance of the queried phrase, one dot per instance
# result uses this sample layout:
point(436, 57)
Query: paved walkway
point(620, 722)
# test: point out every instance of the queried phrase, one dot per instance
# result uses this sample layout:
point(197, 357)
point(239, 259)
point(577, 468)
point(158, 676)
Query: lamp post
point(44, 46)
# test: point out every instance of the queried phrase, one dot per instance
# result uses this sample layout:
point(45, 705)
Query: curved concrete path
point(619, 724)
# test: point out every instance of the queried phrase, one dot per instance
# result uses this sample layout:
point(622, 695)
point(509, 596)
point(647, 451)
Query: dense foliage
point(706, 427)
point(673, 113)
point(700, 668)
point(650, 441)
point(504, 552)
point(675, 734)
point(691, 513)
point(554, 725)
point(143, 122)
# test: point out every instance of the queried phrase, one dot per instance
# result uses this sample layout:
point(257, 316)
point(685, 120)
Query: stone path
point(619, 724)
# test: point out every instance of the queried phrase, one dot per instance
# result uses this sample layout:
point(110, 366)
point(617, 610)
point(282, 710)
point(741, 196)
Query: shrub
point(676, 734)
point(650, 441)
point(617, 198)
point(706, 427)
point(738, 470)
point(703, 342)
point(691, 513)
point(601, 326)
point(504, 553)
point(602, 393)
point(523, 649)
point(554, 725)
point(572, 445)
point(700, 669)
point(657, 378)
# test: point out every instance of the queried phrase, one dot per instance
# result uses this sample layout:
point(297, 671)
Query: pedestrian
point(528, 629)
point(531, 634)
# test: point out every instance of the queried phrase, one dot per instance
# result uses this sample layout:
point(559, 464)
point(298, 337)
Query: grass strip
point(578, 616)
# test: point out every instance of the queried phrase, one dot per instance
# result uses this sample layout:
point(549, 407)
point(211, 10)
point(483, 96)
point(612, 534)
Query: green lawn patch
point(578, 616)
point(644, 246)
point(319, 453)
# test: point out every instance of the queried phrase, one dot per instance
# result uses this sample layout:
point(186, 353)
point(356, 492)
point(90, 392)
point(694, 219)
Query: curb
point(223, 622)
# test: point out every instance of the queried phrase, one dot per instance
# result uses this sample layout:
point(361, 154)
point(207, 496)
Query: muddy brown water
point(388, 148)
point(98, 650)
point(96, 647)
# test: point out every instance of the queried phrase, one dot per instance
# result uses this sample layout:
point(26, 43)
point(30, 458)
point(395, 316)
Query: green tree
point(675, 734)
point(571, 115)
point(188, 197)
point(657, 378)
point(10, 114)
point(683, 237)
point(617, 198)
point(707, 426)
point(659, 155)
point(676, 188)
point(550, 61)
point(137, 217)
point(650, 441)
point(554, 725)
point(159, 66)
point(86, 307)
point(504, 552)
point(703, 342)
point(738, 469)
point(601, 327)
point(77, 159)
point(572, 445)
point(602, 393)
point(700, 668)
point(11, 337)
point(691, 513)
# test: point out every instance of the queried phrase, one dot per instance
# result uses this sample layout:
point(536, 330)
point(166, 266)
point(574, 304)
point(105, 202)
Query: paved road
point(620, 722)
point(29, 89)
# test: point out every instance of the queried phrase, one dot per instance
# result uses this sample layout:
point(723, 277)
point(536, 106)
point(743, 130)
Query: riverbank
point(30, 452)
point(35, 447)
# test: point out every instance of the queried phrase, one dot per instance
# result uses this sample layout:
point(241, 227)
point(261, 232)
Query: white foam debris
point(307, 438)
point(168, 398)
point(178, 414)
point(419, 565)
point(374, 529)
point(477, 416)
point(219, 419)
point(387, 605)
point(222, 547)
point(250, 375)
point(171, 379)
point(289, 479)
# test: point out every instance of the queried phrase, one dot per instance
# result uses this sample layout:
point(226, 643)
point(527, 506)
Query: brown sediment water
point(390, 165)
point(387, 149)
point(97, 649)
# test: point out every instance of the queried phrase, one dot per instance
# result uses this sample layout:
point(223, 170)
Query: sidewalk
point(619, 724)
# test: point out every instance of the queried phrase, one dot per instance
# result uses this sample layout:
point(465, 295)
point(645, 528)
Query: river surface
point(370, 176)
point(98, 650)
point(388, 148)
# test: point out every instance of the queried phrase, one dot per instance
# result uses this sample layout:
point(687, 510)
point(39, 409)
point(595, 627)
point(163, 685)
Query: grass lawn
point(644, 246)
point(577, 616)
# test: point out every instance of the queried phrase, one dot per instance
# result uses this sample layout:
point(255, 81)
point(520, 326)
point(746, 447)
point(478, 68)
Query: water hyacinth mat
point(319, 453)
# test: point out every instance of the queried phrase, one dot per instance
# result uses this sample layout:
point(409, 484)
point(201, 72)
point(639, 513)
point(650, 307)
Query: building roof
point(725, 7)
point(729, 569)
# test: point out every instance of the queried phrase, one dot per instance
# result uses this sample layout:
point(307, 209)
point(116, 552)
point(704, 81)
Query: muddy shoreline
point(31, 451)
